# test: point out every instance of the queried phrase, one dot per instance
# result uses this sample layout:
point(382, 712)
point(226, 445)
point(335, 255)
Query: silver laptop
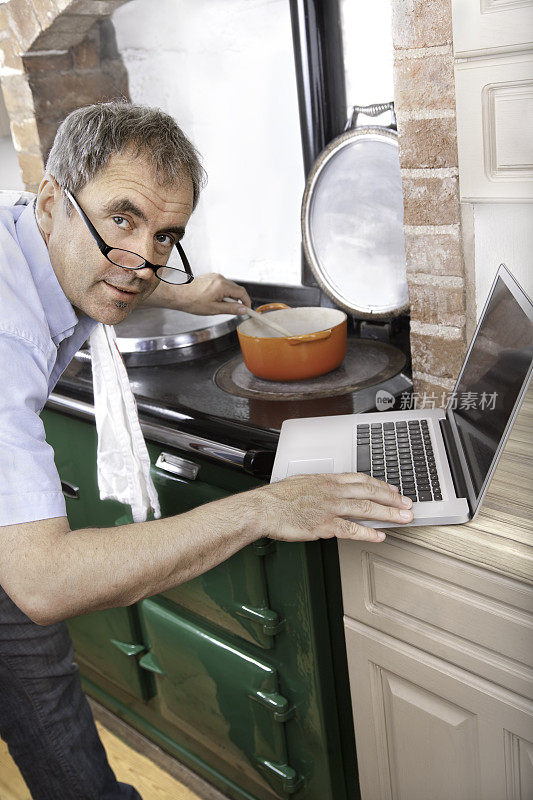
point(442, 459)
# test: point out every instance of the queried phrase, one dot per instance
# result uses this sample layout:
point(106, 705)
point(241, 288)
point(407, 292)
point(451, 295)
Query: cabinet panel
point(481, 621)
point(494, 99)
point(519, 767)
point(497, 25)
point(220, 695)
point(419, 725)
point(109, 642)
point(425, 728)
point(234, 596)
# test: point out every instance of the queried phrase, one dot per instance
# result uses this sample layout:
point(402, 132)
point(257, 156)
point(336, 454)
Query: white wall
point(368, 52)
point(503, 234)
point(225, 72)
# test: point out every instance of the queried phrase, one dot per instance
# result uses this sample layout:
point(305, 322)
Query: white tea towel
point(123, 463)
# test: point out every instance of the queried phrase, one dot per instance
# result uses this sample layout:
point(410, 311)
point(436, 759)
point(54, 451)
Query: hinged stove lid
point(352, 222)
point(155, 329)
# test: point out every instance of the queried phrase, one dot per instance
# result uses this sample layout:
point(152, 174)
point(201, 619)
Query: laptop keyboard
point(400, 453)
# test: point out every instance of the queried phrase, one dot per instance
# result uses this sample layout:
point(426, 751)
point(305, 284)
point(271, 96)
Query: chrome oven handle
point(178, 466)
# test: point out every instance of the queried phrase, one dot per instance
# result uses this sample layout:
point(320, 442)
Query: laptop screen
point(492, 379)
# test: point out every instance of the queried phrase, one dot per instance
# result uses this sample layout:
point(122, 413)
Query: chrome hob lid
point(149, 329)
point(159, 335)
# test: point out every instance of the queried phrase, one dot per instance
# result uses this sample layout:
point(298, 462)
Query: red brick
point(433, 254)
point(93, 7)
point(436, 392)
point(438, 356)
point(48, 62)
point(430, 201)
point(25, 135)
point(87, 53)
point(421, 23)
point(65, 32)
point(32, 168)
point(45, 11)
point(424, 83)
point(437, 305)
point(57, 95)
point(62, 5)
point(24, 25)
point(18, 97)
point(428, 143)
point(4, 19)
point(10, 55)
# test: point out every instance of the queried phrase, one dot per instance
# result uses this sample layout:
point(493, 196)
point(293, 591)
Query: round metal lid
point(154, 329)
point(352, 223)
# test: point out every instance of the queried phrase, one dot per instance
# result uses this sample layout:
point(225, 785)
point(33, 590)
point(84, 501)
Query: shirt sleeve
point(30, 487)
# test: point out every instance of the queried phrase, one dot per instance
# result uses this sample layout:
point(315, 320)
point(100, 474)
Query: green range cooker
point(240, 673)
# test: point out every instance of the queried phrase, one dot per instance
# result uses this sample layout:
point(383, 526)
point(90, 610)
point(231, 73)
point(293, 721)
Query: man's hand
point(204, 296)
point(307, 507)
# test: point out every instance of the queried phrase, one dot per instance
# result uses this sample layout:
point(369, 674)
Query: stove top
point(190, 390)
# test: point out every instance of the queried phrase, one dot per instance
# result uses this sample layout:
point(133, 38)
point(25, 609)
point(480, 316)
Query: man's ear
point(47, 204)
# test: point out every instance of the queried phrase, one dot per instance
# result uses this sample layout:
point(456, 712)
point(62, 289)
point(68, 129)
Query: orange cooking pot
point(317, 344)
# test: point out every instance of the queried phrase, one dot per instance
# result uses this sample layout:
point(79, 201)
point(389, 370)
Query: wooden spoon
point(262, 318)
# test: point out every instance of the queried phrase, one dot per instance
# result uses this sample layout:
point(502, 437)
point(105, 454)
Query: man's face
point(130, 210)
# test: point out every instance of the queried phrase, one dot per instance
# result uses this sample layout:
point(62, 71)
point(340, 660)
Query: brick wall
point(425, 109)
point(55, 56)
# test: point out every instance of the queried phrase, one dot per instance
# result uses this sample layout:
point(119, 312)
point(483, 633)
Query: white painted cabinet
point(495, 128)
point(491, 25)
point(426, 730)
point(440, 657)
point(493, 49)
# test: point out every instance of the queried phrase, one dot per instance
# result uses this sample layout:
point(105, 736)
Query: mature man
point(127, 177)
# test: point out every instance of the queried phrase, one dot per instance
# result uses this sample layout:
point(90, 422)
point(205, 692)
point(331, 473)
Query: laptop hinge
point(453, 459)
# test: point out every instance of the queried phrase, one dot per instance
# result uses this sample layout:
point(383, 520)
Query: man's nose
point(145, 273)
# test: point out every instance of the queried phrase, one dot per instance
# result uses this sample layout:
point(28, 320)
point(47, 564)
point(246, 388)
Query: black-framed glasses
point(129, 260)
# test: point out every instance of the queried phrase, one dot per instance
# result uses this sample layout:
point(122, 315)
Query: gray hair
point(89, 136)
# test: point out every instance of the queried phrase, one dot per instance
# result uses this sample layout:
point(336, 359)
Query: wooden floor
point(129, 766)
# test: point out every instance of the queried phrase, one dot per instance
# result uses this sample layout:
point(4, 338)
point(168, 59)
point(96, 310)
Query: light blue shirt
point(39, 334)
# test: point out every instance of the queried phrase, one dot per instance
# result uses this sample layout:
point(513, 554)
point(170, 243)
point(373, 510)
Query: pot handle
point(271, 307)
point(309, 337)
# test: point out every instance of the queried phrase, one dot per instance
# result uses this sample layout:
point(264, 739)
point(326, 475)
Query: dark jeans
point(45, 717)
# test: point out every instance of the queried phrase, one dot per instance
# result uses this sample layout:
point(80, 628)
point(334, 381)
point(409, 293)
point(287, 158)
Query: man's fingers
point(378, 492)
point(233, 308)
point(362, 478)
point(210, 290)
point(368, 509)
point(345, 529)
point(230, 289)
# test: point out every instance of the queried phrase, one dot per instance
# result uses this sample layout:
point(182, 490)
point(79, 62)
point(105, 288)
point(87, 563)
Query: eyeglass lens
point(123, 258)
point(172, 275)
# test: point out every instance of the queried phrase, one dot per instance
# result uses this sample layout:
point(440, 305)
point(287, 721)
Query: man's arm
point(203, 296)
point(53, 573)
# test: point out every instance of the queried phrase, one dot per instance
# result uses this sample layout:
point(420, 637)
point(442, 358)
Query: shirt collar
point(60, 314)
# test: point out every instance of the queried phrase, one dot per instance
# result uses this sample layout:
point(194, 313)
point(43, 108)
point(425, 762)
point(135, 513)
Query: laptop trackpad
point(309, 466)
